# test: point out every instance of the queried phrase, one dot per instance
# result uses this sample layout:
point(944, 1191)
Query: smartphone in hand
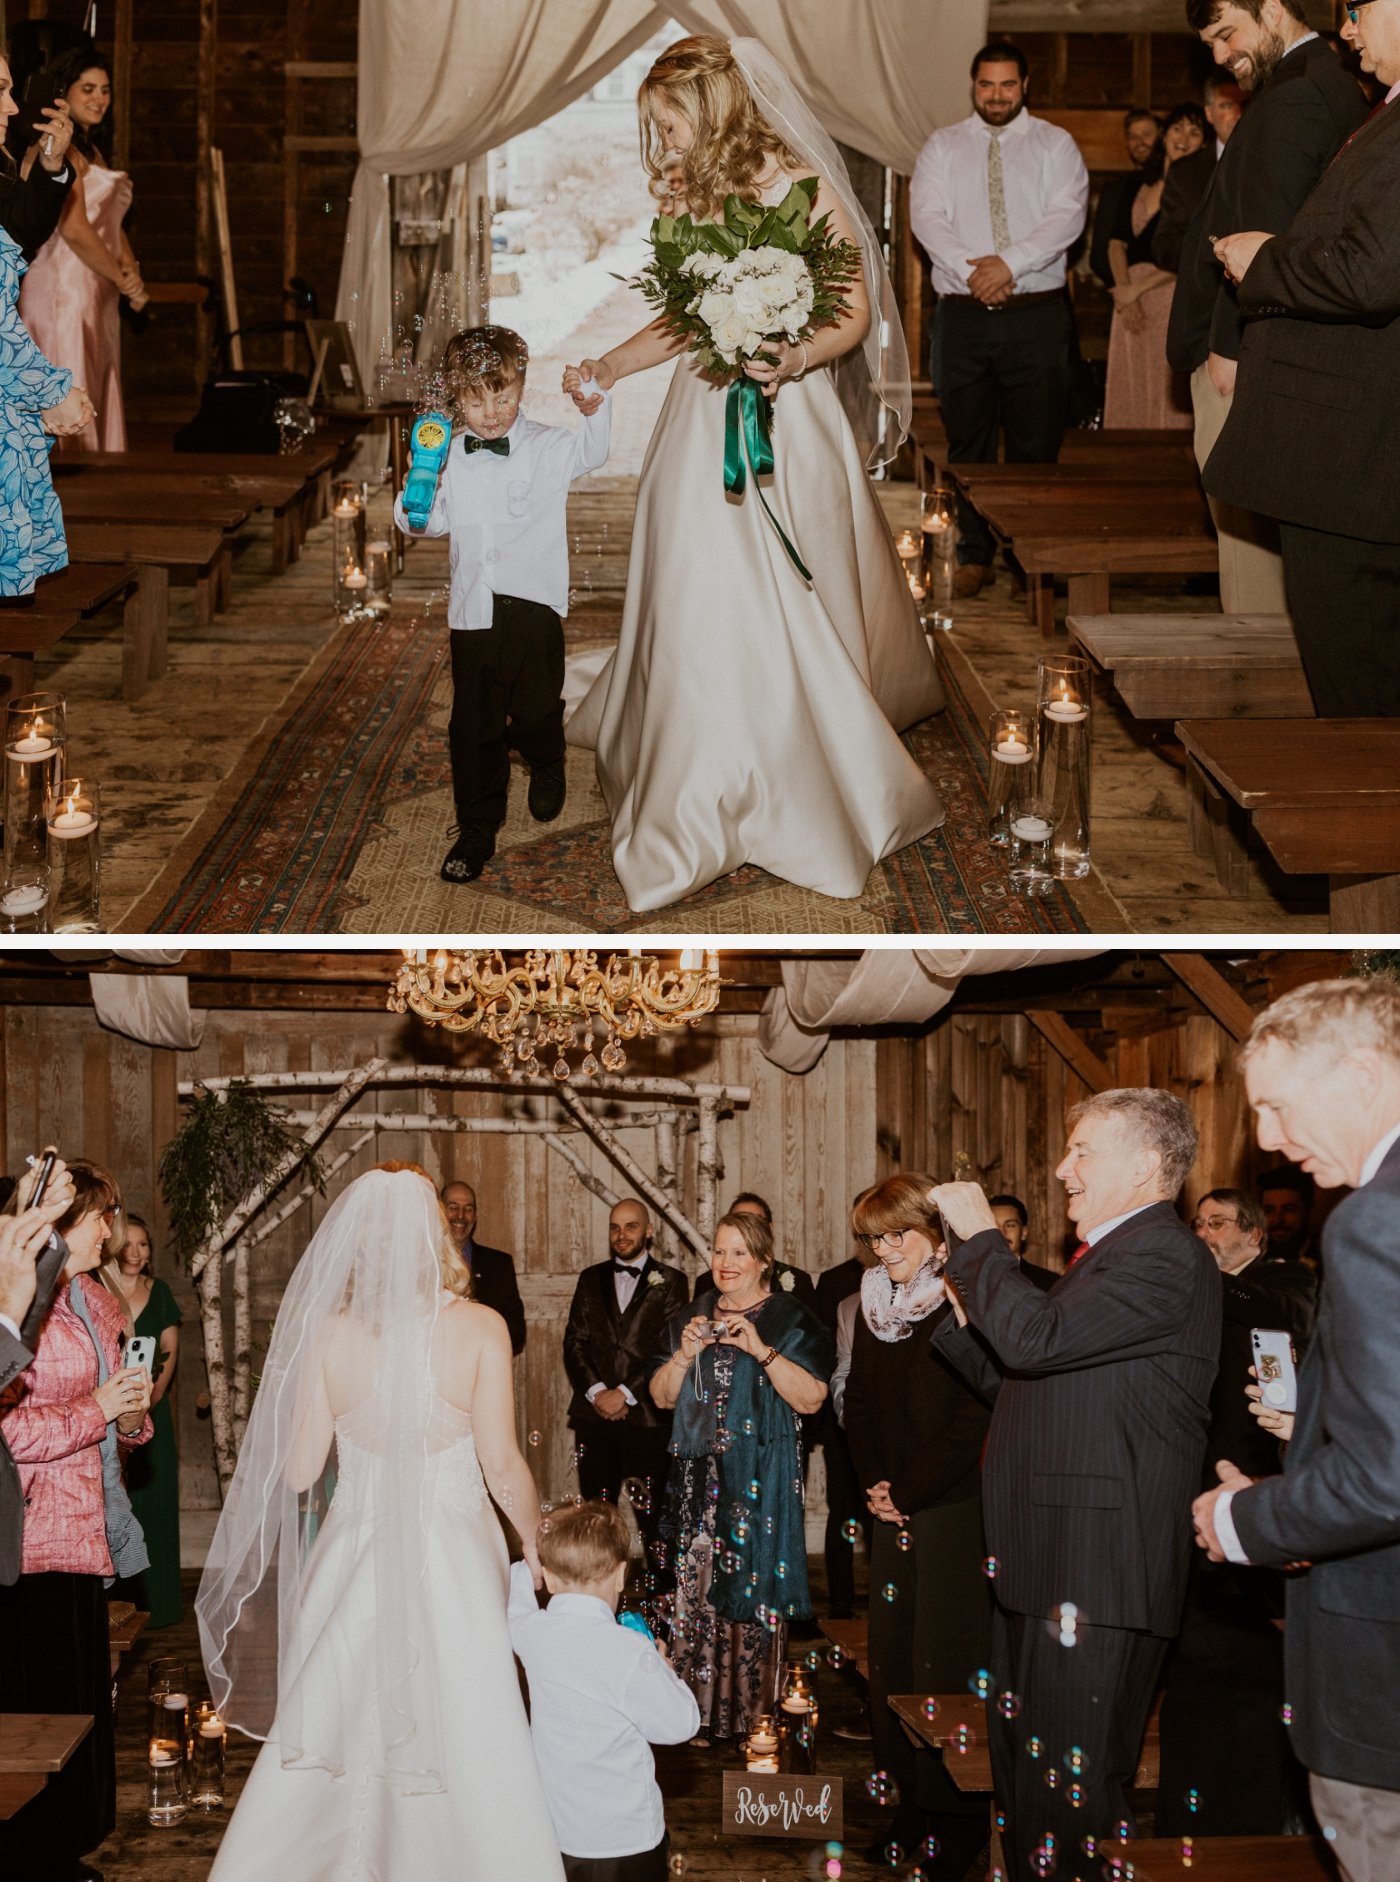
point(1274, 1368)
point(140, 1351)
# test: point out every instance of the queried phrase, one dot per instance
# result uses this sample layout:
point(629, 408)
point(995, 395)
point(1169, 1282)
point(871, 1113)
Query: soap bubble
point(930, 1708)
point(534, 1439)
point(677, 1865)
point(889, 1592)
point(814, 1659)
point(881, 1788)
point(1285, 1712)
point(1008, 1705)
point(894, 1854)
point(1076, 1794)
point(1034, 1746)
point(850, 1529)
point(980, 1685)
point(1052, 1778)
point(930, 1848)
point(837, 1657)
point(1075, 1761)
point(1193, 1801)
point(990, 1567)
point(904, 1541)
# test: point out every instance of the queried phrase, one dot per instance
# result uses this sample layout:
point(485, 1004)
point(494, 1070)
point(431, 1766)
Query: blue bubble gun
point(429, 442)
point(634, 1621)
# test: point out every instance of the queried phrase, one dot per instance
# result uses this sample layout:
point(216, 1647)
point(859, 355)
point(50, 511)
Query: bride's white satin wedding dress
point(748, 716)
point(491, 1821)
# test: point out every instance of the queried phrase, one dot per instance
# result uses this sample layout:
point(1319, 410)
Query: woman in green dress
point(153, 1474)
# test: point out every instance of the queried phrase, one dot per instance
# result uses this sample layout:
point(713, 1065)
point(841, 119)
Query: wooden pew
point(285, 496)
point(125, 1625)
point(1323, 795)
point(1184, 666)
point(958, 1729)
point(1218, 1859)
point(32, 1746)
point(164, 552)
point(32, 625)
point(853, 1639)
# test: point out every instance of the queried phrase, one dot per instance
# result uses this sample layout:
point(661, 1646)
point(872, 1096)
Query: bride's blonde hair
point(456, 1276)
point(732, 143)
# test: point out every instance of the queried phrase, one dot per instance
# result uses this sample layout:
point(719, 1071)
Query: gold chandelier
point(558, 1000)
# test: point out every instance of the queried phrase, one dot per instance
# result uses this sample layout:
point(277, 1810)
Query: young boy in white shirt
point(501, 500)
point(600, 1697)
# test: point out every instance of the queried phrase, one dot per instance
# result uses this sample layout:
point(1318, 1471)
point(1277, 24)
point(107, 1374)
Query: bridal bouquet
point(733, 287)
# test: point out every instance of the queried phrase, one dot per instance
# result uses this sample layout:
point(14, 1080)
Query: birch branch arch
point(676, 1108)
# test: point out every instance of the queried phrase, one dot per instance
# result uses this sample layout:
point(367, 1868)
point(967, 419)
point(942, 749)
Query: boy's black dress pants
point(507, 687)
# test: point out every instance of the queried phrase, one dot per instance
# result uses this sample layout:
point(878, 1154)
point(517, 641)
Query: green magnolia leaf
point(663, 229)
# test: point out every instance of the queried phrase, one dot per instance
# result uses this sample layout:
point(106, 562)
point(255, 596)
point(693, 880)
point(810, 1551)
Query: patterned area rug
point(336, 822)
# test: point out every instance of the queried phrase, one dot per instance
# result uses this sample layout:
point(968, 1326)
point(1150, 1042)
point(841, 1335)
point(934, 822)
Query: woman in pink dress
point(1142, 389)
point(69, 300)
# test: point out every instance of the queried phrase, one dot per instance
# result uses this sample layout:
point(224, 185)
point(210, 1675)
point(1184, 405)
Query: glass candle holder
point(349, 582)
point(761, 1747)
point(797, 1724)
point(379, 574)
point(938, 531)
point(207, 1749)
point(1063, 690)
point(1030, 834)
point(24, 900)
point(347, 496)
point(1011, 745)
point(167, 1786)
point(73, 819)
point(35, 737)
point(169, 1711)
point(910, 554)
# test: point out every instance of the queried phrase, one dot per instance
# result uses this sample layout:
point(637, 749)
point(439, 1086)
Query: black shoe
point(547, 788)
point(469, 855)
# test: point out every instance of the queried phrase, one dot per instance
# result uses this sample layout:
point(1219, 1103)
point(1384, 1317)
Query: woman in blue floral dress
point(38, 402)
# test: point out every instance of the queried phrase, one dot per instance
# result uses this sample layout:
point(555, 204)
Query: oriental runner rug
point(336, 820)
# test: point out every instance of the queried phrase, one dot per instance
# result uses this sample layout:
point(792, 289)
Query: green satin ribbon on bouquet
point(747, 438)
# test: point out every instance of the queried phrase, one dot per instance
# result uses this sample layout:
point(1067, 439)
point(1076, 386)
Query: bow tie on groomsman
point(626, 1275)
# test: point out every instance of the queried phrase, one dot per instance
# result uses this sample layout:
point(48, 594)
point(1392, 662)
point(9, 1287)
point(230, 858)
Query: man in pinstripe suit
point(1101, 1387)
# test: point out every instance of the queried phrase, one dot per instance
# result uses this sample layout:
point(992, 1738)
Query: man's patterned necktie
point(996, 196)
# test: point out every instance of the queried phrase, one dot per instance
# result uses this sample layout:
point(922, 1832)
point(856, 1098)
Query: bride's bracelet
point(805, 362)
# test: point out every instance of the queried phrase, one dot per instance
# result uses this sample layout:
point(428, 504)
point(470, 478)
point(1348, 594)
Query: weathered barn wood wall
point(988, 1085)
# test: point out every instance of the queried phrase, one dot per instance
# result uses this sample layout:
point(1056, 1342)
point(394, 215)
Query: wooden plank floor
point(162, 760)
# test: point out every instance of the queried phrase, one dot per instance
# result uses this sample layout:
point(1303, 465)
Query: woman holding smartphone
point(65, 1420)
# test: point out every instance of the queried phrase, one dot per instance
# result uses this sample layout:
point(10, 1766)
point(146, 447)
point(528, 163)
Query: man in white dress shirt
point(997, 200)
point(501, 499)
point(1322, 1071)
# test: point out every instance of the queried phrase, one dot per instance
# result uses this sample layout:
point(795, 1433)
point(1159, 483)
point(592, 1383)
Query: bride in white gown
point(368, 1646)
point(748, 715)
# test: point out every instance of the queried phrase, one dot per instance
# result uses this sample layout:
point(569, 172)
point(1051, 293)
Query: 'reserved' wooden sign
point(788, 1805)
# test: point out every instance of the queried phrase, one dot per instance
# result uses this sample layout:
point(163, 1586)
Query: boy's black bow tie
point(501, 446)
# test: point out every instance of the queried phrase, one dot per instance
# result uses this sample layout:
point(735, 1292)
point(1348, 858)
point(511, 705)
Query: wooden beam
point(1213, 991)
point(319, 68)
point(1081, 1061)
point(1111, 16)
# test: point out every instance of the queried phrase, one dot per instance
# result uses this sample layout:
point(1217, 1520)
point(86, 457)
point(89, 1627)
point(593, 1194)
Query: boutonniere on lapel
point(785, 1281)
point(656, 1278)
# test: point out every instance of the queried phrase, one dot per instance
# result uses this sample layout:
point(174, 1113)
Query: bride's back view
point(353, 1610)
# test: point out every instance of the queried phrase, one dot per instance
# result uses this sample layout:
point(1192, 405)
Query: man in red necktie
point(1101, 1388)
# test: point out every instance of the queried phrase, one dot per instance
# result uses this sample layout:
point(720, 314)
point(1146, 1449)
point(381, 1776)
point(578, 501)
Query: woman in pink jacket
point(54, 1654)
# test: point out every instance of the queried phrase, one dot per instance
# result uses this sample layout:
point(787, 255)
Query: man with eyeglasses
point(1320, 362)
point(1227, 1769)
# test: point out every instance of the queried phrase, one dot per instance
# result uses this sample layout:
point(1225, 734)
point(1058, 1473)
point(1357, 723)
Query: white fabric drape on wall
point(885, 987)
point(442, 81)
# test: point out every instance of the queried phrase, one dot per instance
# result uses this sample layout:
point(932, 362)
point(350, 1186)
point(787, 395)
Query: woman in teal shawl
point(734, 1516)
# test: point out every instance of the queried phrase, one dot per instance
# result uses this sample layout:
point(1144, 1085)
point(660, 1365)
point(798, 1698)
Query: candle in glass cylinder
point(34, 742)
point(761, 1747)
point(72, 820)
point(1010, 750)
point(1031, 829)
point(1066, 706)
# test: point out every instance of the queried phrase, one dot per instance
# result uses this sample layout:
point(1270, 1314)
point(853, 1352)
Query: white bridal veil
point(882, 398)
point(355, 1328)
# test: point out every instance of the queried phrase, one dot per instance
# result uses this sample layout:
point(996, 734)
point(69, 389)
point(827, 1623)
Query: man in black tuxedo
point(616, 1329)
point(492, 1269)
point(31, 1262)
point(1014, 1220)
point(786, 1274)
point(1322, 1073)
point(32, 195)
point(1227, 1769)
point(1189, 177)
point(1101, 1390)
point(1304, 104)
point(1321, 362)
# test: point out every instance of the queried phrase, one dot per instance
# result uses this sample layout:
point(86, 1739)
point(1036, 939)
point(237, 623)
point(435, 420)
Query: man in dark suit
point(1101, 1390)
point(1286, 1197)
point(492, 1269)
point(31, 1262)
point(33, 194)
point(1321, 362)
point(1141, 134)
point(1227, 1769)
point(1189, 177)
point(786, 1274)
point(1322, 1073)
point(1303, 107)
point(1014, 1220)
point(616, 1329)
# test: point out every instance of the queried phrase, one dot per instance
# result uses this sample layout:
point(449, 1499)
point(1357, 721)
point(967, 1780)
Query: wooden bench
point(33, 1745)
point(958, 1728)
point(852, 1639)
point(1183, 666)
point(1218, 1859)
point(1323, 795)
point(33, 624)
point(164, 552)
point(125, 1625)
point(285, 497)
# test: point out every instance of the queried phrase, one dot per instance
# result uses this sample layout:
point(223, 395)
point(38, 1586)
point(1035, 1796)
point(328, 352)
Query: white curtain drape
point(442, 81)
point(885, 987)
point(154, 1008)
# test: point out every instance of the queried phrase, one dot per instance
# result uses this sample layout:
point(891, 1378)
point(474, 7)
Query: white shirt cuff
point(627, 1395)
point(1225, 1530)
point(594, 1390)
point(10, 1327)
